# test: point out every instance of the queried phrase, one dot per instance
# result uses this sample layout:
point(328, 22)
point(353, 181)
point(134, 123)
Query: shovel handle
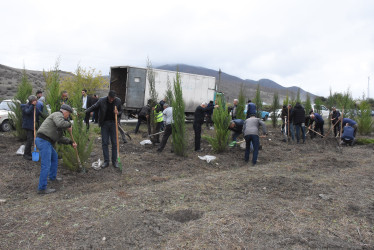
point(76, 150)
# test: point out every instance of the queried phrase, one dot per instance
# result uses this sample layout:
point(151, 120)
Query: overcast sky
point(313, 44)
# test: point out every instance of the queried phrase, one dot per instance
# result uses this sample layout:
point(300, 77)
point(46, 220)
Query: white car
point(324, 112)
point(278, 113)
point(5, 123)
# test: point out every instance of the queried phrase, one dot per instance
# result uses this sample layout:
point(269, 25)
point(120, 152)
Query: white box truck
point(132, 87)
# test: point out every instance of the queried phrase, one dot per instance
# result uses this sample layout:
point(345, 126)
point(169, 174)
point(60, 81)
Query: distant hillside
point(11, 77)
point(230, 84)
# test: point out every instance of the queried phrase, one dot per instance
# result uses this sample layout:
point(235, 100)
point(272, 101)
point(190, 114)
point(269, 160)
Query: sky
point(318, 45)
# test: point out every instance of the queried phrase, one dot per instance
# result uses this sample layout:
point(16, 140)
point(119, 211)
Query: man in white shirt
point(168, 120)
point(86, 103)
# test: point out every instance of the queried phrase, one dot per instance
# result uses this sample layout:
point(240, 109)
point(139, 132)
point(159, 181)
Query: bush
point(365, 122)
point(221, 121)
point(85, 142)
point(23, 92)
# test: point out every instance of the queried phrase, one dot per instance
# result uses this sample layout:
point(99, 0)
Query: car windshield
point(4, 105)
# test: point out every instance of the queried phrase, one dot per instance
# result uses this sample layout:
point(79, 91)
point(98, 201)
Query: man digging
point(50, 132)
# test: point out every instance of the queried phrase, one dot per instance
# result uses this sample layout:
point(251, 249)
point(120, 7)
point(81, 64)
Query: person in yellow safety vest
point(158, 120)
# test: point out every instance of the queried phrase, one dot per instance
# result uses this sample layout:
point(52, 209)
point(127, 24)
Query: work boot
point(105, 164)
point(115, 165)
point(27, 157)
point(46, 191)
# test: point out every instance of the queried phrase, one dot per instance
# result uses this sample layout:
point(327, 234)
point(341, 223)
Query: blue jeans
point(255, 140)
point(108, 130)
point(297, 128)
point(49, 161)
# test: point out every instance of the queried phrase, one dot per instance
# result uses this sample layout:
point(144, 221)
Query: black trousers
point(209, 121)
point(197, 129)
point(29, 142)
point(318, 127)
point(87, 120)
point(168, 130)
point(336, 128)
point(140, 119)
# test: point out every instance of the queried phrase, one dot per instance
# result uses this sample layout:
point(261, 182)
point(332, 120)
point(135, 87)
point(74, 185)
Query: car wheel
point(5, 126)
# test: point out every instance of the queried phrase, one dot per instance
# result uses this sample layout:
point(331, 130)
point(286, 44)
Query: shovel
point(35, 154)
point(76, 152)
point(118, 159)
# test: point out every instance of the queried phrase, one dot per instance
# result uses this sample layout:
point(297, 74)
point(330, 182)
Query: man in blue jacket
point(251, 109)
point(28, 123)
point(318, 121)
point(348, 135)
point(351, 123)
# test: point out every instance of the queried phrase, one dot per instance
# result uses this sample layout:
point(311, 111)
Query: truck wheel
point(266, 117)
point(5, 126)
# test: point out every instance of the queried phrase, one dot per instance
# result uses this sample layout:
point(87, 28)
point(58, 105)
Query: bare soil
point(312, 195)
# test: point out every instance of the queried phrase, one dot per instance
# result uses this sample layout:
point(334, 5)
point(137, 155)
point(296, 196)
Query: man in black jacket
point(335, 121)
point(198, 121)
point(107, 113)
point(144, 115)
point(298, 119)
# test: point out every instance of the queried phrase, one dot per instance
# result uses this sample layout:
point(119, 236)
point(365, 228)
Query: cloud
point(311, 44)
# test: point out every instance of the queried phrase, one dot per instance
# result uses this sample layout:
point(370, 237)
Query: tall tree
point(258, 101)
point(298, 98)
point(52, 79)
point(24, 90)
point(84, 79)
point(179, 117)
point(241, 105)
point(152, 92)
point(308, 104)
point(274, 107)
point(221, 119)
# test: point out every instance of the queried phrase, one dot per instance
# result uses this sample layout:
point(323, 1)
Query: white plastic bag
point(96, 165)
point(207, 158)
point(21, 150)
point(145, 142)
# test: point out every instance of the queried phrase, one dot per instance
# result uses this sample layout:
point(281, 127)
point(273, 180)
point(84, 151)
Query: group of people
point(295, 119)
point(52, 130)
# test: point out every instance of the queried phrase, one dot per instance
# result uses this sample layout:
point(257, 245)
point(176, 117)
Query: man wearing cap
point(198, 122)
point(105, 107)
point(50, 132)
point(28, 123)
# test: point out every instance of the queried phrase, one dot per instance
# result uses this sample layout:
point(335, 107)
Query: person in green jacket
point(51, 132)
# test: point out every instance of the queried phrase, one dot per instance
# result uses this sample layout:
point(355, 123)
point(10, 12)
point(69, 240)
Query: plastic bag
point(145, 142)
point(96, 165)
point(207, 158)
point(21, 150)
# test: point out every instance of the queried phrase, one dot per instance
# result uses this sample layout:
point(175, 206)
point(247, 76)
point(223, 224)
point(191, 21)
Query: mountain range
point(229, 84)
